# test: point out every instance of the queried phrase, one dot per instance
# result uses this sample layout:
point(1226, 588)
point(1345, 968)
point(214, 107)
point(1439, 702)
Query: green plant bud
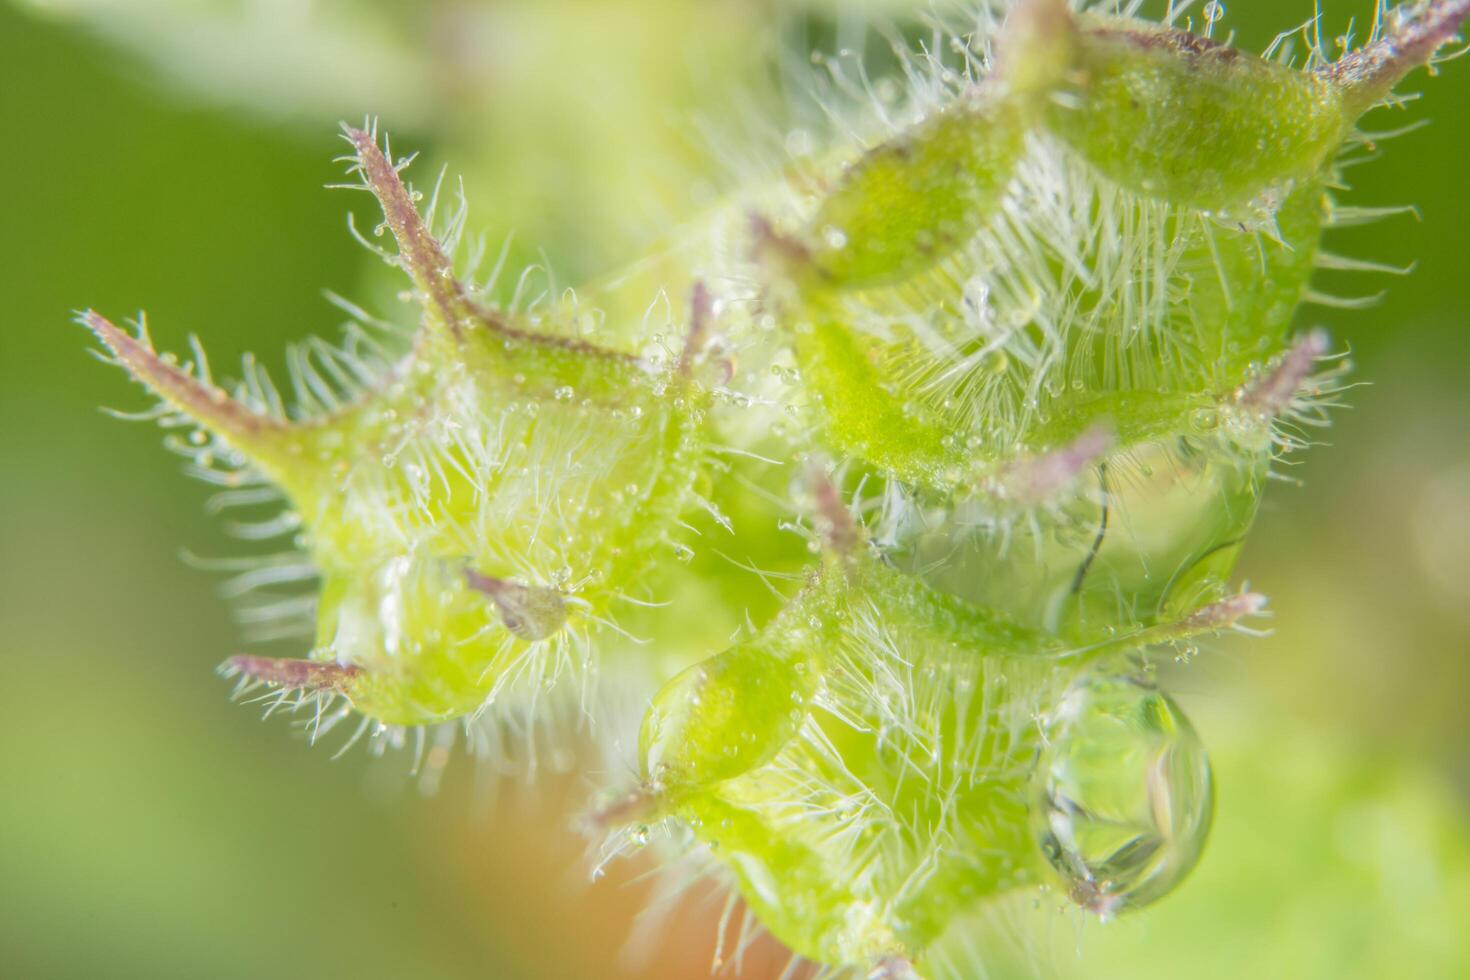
point(1040, 332)
point(529, 611)
point(919, 196)
point(728, 714)
point(876, 734)
point(1143, 540)
point(1026, 354)
point(477, 510)
point(1122, 795)
point(840, 799)
point(423, 641)
point(862, 413)
point(1132, 283)
point(1192, 121)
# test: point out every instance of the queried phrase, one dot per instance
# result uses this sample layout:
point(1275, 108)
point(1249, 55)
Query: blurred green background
point(170, 156)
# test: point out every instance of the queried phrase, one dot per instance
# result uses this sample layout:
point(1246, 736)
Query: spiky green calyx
point(1041, 328)
point(475, 512)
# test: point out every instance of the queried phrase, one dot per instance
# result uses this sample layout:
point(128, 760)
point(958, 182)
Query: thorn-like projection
point(293, 675)
point(418, 250)
point(893, 968)
point(1222, 615)
point(1041, 479)
point(529, 611)
point(431, 269)
point(1214, 617)
point(701, 313)
point(838, 529)
point(247, 430)
point(1270, 395)
point(637, 805)
point(780, 253)
point(1413, 36)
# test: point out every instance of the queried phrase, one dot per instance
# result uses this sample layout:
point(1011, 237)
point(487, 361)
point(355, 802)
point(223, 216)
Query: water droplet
point(1204, 419)
point(834, 238)
point(799, 143)
point(565, 393)
point(1122, 794)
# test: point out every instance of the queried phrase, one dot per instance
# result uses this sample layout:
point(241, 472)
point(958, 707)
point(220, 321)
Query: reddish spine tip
point(529, 611)
point(1271, 394)
point(487, 584)
point(1225, 613)
point(638, 805)
point(835, 522)
point(205, 403)
point(1040, 479)
point(770, 247)
point(422, 257)
point(1413, 38)
point(701, 313)
point(294, 675)
point(893, 968)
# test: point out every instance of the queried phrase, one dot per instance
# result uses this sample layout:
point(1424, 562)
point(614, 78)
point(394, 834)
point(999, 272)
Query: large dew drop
point(1122, 795)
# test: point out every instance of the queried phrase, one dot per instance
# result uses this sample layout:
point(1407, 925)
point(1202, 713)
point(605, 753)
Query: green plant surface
point(990, 398)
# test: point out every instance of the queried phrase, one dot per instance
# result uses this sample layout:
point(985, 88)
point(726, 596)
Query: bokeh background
point(170, 155)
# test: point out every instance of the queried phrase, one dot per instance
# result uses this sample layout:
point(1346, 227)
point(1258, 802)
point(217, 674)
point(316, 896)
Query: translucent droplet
point(834, 238)
point(1204, 419)
point(1122, 794)
point(799, 143)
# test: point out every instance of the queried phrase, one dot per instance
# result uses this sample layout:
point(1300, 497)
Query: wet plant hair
point(985, 387)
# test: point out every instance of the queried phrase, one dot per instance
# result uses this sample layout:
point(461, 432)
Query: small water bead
point(800, 143)
point(1205, 419)
point(834, 237)
point(1122, 796)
